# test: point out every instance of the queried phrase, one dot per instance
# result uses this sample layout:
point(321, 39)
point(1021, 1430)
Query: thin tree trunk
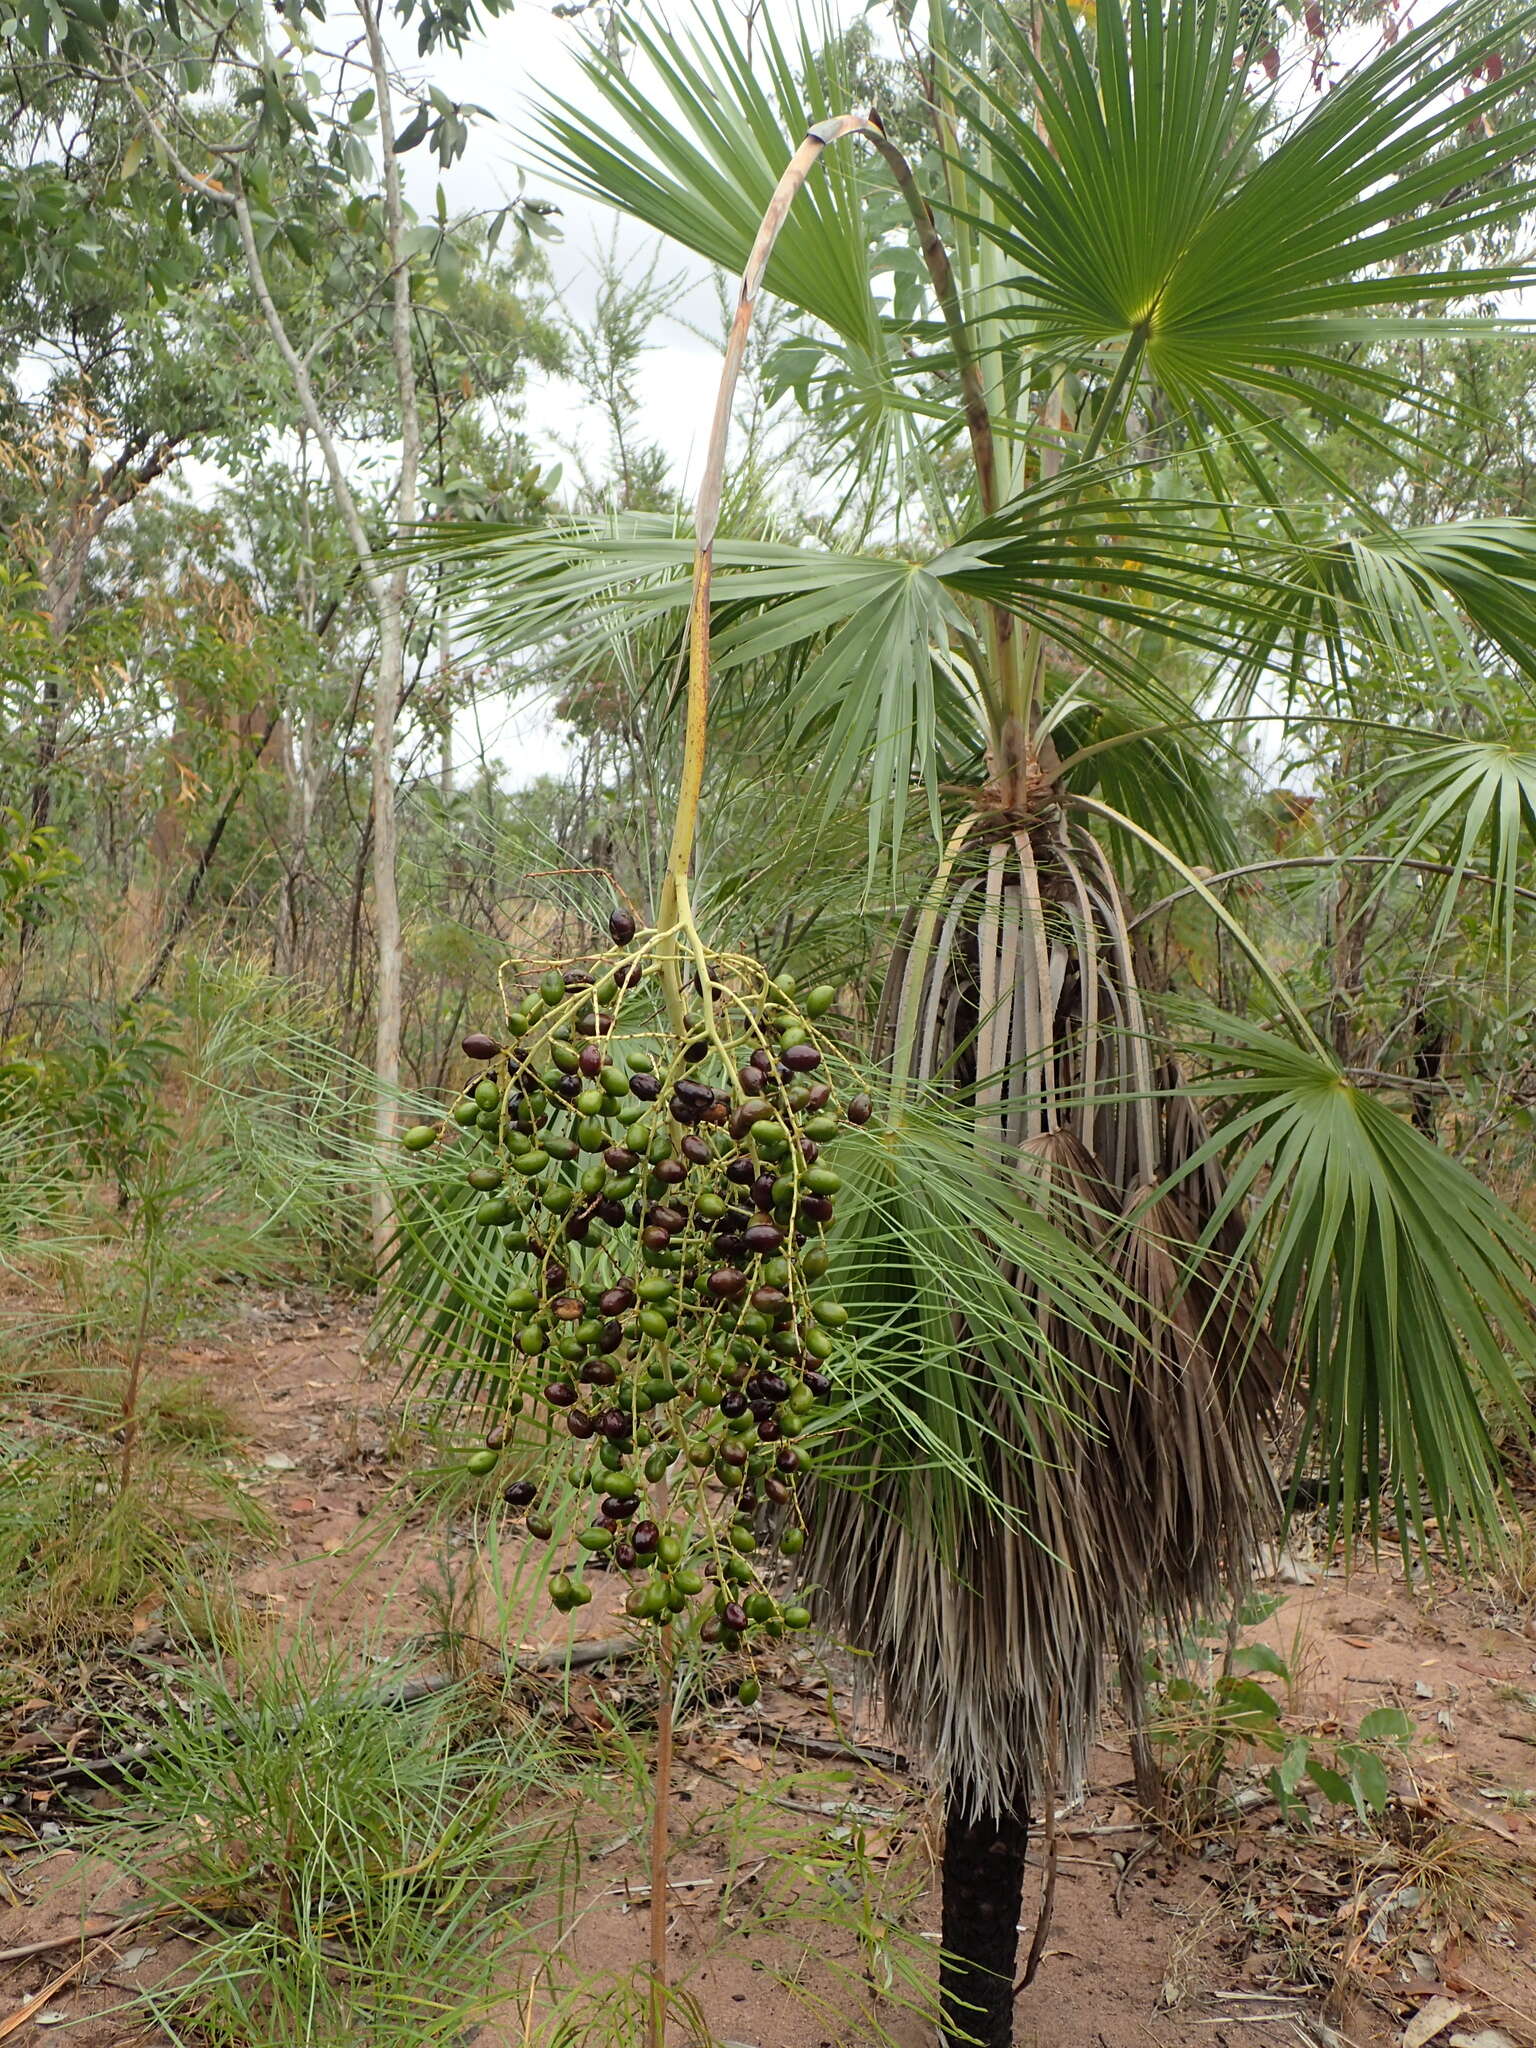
point(984, 1858)
point(445, 683)
point(199, 873)
point(391, 677)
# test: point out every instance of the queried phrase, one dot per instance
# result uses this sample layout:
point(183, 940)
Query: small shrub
point(77, 1555)
point(1210, 1716)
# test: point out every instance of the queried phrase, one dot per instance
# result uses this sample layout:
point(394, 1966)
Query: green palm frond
point(1160, 775)
point(1415, 595)
point(1464, 792)
point(1406, 1288)
point(692, 146)
point(1151, 219)
point(951, 1355)
point(694, 143)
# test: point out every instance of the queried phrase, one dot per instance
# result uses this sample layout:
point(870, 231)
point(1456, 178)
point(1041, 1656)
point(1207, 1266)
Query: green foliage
point(78, 1556)
point(1406, 1288)
point(349, 1864)
point(1206, 1725)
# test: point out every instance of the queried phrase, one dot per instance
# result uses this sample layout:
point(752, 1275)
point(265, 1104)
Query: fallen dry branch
point(824, 1747)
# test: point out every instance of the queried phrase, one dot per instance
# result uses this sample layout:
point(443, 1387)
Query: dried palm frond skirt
point(1146, 1489)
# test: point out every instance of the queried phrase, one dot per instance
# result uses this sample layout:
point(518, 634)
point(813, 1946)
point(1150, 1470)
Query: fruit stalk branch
point(675, 913)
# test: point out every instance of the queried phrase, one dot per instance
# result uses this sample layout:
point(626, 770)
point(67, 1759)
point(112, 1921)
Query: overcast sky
point(520, 54)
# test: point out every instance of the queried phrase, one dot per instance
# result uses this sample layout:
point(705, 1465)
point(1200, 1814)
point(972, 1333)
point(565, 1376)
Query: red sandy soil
point(1150, 1946)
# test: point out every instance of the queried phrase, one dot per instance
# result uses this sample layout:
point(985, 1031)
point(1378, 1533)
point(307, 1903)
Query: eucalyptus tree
point(280, 154)
point(1089, 359)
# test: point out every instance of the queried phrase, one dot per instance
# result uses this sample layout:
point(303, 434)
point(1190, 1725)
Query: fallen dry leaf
point(1431, 2019)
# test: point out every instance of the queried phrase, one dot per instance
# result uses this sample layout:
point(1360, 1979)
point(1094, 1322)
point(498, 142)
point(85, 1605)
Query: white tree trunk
point(387, 587)
point(391, 679)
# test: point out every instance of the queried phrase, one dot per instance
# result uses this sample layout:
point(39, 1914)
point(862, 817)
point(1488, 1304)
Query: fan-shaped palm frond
point(1423, 597)
point(1155, 222)
point(1407, 1289)
point(1456, 794)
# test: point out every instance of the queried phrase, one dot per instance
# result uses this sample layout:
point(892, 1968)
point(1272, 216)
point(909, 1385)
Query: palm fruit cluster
point(664, 1197)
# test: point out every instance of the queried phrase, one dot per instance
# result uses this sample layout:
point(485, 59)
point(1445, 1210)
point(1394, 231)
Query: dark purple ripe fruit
point(731, 1244)
point(767, 1386)
point(777, 1491)
point(654, 1238)
point(741, 1172)
point(624, 1555)
point(670, 1171)
point(645, 1536)
point(617, 1510)
point(597, 1372)
point(560, 1394)
point(762, 1059)
point(612, 1212)
point(733, 1404)
point(591, 1061)
point(621, 926)
point(802, 1059)
point(619, 1159)
point(569, 1086)
point(763, 1239)
point(521, 1493)
point(819, 1384)
point(644, 1087)
point(817, 1207)
point(617, 1299)
point(818, 1095)
point(580, 1424)
point(614, 1424)
point(860, 1110)
point(769, 1300)
point(696, 1092)
point(768, 1428)
point(612, 1337)
point(478, 1047)
point(667, 1216)
point(734, 1616)
point(725, 1283)
point(695, 1150)
point(762, 1191)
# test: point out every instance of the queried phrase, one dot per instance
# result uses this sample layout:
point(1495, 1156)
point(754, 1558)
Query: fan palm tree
point(1091, 361)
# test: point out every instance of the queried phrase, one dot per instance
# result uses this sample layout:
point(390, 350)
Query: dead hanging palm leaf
point(1149, 1483)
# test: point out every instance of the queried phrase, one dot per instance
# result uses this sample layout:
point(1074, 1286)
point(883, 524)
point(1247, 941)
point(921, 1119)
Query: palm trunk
point(983, 1894)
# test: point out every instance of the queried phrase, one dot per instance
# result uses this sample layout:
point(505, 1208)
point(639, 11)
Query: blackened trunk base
point(983, 1895)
